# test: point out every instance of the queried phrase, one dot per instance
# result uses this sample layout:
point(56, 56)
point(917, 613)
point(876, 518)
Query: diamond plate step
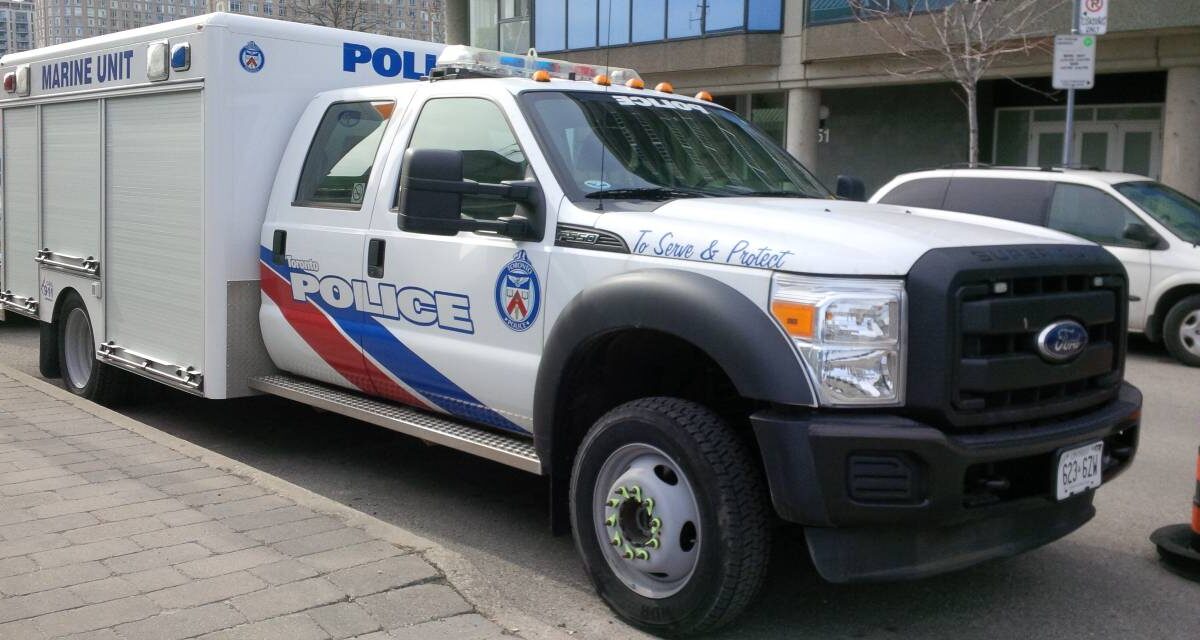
point(511, 450)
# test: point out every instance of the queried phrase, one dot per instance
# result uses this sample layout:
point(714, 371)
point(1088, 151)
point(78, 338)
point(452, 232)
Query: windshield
point(1170, 208)
point(609, 145)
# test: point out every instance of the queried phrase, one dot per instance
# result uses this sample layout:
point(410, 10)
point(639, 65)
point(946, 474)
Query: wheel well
point(1163, 307)
point(626, 365)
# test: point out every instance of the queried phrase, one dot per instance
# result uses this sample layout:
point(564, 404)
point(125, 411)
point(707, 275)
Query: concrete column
point(458, 21)
point(1181, 122)
point(803, 119)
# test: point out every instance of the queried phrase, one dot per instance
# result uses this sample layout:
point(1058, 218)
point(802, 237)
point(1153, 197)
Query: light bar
point(514, 65)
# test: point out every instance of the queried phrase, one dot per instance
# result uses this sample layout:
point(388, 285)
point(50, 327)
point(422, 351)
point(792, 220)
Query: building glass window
point(723, 15)
point(764, 15)
point(683, 18)
point(550, 25)
point(581, 24)
point(485, 31)
point(614, 22)
point(652, 18)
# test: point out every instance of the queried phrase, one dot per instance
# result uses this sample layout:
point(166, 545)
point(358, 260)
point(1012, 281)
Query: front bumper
point(887, 498)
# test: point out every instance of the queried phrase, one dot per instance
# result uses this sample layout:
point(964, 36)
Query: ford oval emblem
point(1062, 341)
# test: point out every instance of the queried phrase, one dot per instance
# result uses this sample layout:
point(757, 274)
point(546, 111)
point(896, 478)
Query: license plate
point(1079, 469)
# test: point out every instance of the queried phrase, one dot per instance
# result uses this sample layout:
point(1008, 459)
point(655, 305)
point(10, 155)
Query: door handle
point(279, 246)
point(375, 254)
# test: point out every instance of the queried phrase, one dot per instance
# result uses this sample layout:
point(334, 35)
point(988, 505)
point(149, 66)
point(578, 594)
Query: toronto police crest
point(251, 57)
point(1062, 340)
point(518, 293)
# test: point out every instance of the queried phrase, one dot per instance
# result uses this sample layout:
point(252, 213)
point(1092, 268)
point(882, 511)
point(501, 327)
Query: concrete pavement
point(113, 530)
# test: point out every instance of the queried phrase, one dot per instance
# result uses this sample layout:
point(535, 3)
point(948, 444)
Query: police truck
point(633, 293)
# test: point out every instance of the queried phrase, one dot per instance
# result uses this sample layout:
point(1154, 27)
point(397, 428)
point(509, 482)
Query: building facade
point(60, 21)
point(16, 26)
point(816, 79)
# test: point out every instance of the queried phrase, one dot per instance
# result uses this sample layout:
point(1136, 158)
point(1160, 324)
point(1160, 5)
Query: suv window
point(1017, 200)
point(478, 129)
point(338, 165)
point(1091, 214)
point(925, 192)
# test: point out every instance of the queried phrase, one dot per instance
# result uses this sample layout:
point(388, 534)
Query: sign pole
point(1069, 129)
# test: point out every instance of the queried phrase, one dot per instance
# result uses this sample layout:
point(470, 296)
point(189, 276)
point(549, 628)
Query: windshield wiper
point(647, 193)
point(772, 194)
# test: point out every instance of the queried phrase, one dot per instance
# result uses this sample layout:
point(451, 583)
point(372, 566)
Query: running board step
point(511, 450)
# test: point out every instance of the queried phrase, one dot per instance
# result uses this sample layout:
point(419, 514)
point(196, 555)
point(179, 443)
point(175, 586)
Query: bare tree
point(959, 39)
point(355, 15)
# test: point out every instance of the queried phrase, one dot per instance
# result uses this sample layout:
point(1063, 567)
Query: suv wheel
point(670, 516)
point(1181, 331)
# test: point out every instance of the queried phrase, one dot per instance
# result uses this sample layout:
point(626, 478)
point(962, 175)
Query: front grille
point(999, 368)
point(974, 316)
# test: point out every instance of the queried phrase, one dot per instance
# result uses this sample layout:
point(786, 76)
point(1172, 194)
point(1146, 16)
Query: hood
point(811, 236)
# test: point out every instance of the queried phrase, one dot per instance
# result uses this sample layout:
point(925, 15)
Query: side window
point(478, 129)
point(1090, 214)
point(338, 165)
point(1016, 200)
point(926, 192)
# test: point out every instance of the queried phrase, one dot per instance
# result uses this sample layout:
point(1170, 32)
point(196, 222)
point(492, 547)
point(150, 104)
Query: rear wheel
point(81, 373)
point(1181, 331)
point(670, 516)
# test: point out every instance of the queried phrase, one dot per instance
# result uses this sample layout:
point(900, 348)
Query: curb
point(460, 573)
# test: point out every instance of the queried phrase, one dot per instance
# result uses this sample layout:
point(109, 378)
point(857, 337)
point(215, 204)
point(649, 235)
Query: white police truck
point(633, 293)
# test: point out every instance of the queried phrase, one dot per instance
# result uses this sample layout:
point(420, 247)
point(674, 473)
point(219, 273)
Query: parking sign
point(1074, 62)
point(1093, 17)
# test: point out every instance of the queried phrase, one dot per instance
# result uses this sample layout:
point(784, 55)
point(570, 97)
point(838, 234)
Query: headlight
point(850, 333)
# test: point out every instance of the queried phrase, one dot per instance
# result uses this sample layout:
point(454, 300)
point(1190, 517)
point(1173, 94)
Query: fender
point(738, 334)
point(1181, 280)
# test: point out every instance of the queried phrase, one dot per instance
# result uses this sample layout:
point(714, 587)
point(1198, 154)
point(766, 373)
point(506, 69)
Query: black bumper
point(887, 498)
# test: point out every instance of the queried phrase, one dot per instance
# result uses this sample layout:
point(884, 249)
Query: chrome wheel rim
point(78, 349)
point(647, 520)
point(1189, 332)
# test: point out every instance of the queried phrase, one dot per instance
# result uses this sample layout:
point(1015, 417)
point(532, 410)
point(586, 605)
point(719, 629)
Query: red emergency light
point(10, 82)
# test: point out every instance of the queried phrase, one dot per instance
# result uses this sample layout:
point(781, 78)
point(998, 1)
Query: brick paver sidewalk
point(108, 534)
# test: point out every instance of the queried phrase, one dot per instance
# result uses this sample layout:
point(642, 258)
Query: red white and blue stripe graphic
point(368, 355)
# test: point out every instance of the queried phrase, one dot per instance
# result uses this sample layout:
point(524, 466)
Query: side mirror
point(431, 194)
point(430, 210)
point(1141, 234)
point(851, 188)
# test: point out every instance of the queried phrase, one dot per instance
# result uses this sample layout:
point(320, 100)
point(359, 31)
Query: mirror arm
point(520, 190)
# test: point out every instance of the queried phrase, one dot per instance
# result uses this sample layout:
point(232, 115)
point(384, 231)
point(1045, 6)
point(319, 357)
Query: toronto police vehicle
point(630, 292)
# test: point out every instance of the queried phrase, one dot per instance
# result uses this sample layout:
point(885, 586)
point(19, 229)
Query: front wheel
point(81, 373)
point(1181, 331)
point(670, 516)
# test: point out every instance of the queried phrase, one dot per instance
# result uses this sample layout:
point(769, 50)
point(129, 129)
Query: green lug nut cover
point(628, 552)
point(616, 540)
point(637, 493)
point(641, 554)
point(611, 520)
point(649, 504)
point(652, 543)
point(613, 502)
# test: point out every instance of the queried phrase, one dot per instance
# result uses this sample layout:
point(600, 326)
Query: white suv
point(1153, 230)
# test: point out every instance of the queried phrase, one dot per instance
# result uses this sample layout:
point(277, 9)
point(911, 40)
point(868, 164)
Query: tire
point(81, 373)
point(709, 554)
point(1181, 331)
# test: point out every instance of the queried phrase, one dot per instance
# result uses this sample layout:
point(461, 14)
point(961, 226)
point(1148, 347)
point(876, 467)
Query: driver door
point(1094, 215)
point(465, 334)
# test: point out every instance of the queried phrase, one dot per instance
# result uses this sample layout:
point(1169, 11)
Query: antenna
point(607, 72)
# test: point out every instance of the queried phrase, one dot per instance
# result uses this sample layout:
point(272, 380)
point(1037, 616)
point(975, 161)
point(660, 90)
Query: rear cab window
point(1016, 200)
point(338, 165)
